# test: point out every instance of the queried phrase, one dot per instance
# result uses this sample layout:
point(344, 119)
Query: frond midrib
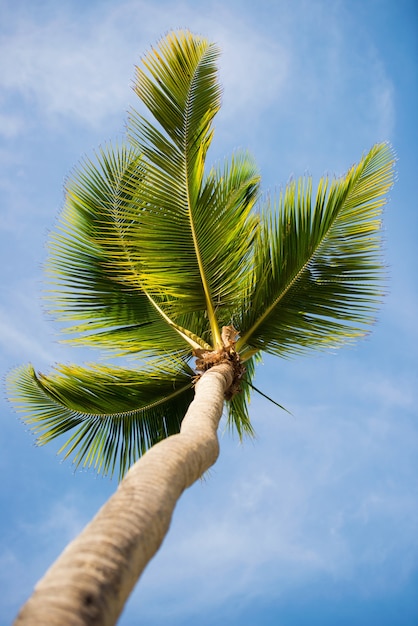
point(216, 334)
point(118, 414)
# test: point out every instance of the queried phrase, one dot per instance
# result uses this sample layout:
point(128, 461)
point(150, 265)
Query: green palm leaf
point(192, 235)
point(92, 276)
point(318, 262)
point(163, 243)
point(114, 415)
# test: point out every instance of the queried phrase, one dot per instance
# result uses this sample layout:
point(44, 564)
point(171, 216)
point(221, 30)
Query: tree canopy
point(155, 253)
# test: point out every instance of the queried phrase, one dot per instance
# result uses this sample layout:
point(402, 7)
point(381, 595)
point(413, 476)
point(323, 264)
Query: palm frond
point(113, 415)
point(189, 224)
point(227, 237)
point(178, 84)
point(93, 280)
point(318, 265)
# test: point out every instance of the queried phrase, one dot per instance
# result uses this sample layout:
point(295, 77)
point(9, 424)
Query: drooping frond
point(93, 279)
point(318, 267)
point(112, 415)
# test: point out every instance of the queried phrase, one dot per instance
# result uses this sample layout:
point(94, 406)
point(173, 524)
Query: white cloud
point(26, 334)
point(253, 68)
point(67, 71)
point(20, 342)
point(83, 69)
point(61, 524)
point(78, 68)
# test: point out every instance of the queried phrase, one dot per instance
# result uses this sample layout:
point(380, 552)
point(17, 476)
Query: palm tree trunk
point(94, 576)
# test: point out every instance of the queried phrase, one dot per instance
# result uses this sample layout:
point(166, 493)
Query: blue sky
point(316, 521)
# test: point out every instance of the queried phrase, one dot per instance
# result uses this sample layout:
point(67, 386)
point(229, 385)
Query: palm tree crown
point(158, 258)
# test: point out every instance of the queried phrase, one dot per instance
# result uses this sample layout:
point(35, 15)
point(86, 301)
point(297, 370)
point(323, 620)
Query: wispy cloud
point(20, 341)
point(66, 69)
point(277, 522)
point(62, 522)
point(82, 69)
point(25, 332)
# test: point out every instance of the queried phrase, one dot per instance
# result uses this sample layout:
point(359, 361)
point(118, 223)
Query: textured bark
point(92, 579)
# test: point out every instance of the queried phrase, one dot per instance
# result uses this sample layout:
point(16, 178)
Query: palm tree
point(160, 261)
